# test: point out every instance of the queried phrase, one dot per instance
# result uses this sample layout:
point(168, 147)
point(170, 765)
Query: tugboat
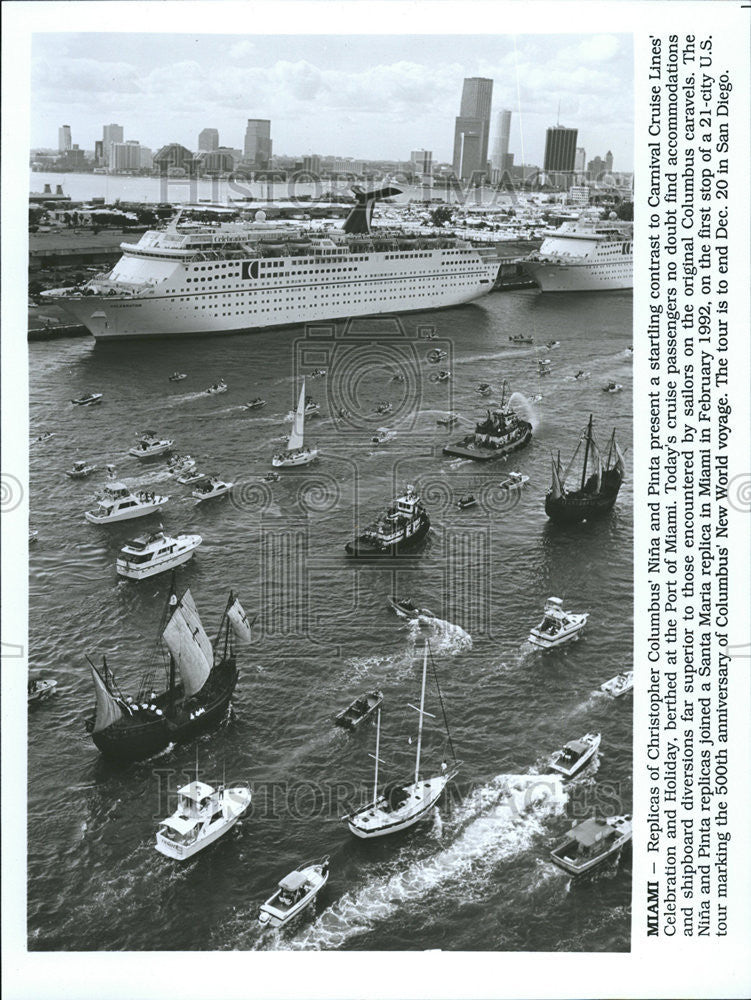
point(359, 710)
point(501, 432)
point(202, 816)
point(156, 553)
point(575, 755)
point(296, 453)
point(597, 492)
point(296, 892)
point(150, 446)
point(557, 625)
point(619, 685)
point(177, 376)
point(200, 678)
point(592, 842)
point(400, 805)
point(408, 609)
point(404, 523)
point(117, 503)
point(90, 399)
point(215, 487)
point(80, 470)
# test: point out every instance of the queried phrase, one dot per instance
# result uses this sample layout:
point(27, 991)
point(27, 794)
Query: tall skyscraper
point(560, 150)
point(580, 160)
point(422, 161)
point(502, 133)
point(64, 139)
point(110, 134)
point(258, 142)
point(208, 140)
point(472, 128)
point(609, 162)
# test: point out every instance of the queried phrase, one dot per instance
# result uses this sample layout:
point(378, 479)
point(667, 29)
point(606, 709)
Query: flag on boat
point(239, 621)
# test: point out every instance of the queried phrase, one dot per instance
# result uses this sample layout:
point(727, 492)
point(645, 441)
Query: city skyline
point(370, 98)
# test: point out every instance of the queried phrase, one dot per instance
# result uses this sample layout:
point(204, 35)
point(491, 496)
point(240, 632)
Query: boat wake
point(499, 831)
point(443, 636)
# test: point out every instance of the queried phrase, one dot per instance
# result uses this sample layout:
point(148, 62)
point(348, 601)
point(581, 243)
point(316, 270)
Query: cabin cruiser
point(468, 500)
point(521, 339)
point(557, 625)
point(155, 553)
point(384, 408)
point(190, 476)
point(619, 685)
point(255, 404)
point(215, 487)
point(590, 843)
point(436, 355)
point(178, 465)
point(442, 376)
point(543, 366)
point(150, 446)
point(296, 892)
point(612, 387)
point(575, 755)
point(448, 421)
point(552, 344)
point(202, 816)
point(408, 609)
point(312, 409)
point(382, 435)
point(514, 482)
point(117, 503)
point(80, 470)
point(359, 710)
point(38, 689)
point(405, 522)
point(177, 376)
point(216, 388)
point(90, 399)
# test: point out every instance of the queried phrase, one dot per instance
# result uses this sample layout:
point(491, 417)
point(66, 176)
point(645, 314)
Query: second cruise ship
point(584, 256)
point(234, 277)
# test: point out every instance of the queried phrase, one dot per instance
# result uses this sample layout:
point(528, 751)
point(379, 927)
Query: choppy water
point(476, 876)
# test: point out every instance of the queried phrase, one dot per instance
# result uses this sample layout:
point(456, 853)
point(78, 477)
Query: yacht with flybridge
point(237, 277)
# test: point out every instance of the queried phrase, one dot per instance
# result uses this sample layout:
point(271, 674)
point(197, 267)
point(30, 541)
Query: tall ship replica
point(597, 490)
point(200, 677)
point(584, 256)
point(502, 431)
point(244, 277)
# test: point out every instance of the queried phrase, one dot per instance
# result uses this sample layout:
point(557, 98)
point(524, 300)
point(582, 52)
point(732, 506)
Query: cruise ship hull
point(584, 277)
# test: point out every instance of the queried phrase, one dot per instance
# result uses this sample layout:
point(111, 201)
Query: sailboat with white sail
point(296, 453)
point(200, 677)
point(399, 805)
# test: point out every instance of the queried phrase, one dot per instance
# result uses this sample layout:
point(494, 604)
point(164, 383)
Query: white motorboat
point(581, 375)
point(442, 376)
point(557, 625)
point(44, 437)
point(296, 892)
point(255, 404)
point(384, 408)
point(177, 376)
point(552, 344)
point(215, 487)
point(155, 553)
point(191, 476)
point(406, 608)
point(271, 477)
point(619, 685)
point(543, 366)
point(202, 816)
point(149, 446)
point(468, 500)
point(400, 805)
point(318, 373)
point(448, 421)
point(296, 453)
point(436, 355)
point(521, 339)
point(575, 755)
point(38, 689)
point(217, 387)
point(80, 470)
point(382, 435)
point(612, 387)
point(117, 503)
point(33, 535)
point(312, 409)
point(592, 842)
point(90, 399)
point(515, 481)
point(178, 465)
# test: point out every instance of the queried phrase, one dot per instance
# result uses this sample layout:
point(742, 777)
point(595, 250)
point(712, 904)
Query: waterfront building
point(311, 164)
point(609, 162)
point(258, 143)
point(64, 139)
point(99, 153)
point(110, 134)
point(208, 139)
point(580, 160)
point(579, 195)
point(502, 134)
point(472, 129)
point(125, 157)
point(174, 159)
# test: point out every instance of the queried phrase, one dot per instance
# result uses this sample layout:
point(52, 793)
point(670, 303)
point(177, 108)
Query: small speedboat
point(38, 689)
point(398, 377)
point(80, 470)
point(581, 375)
point(202, 816)
point(612, 387)
point(45, 436)
point(408, 609)
point(150, 446)
point(215, 487)
point(552, 344)
point(318, 373)
point(514, 482)
point(255, 404)
point(448, 421)
point(360, 709)
point(296, 892)
point(430, 335)
point(575, 755)
point(543, 366)
point(442, 376)
point(90, 399)
point(384, 408)
point(484, 388)
point(178, 465)
point(557, 625)
point(156, 553)
point(312, 409)
point(468, 500)
point(177, 376)
point(520, 339)
point(436, 355)
point(590, 843)
point(382, 435)
point(216, 388)
point(33, 535)
point(190, 476)
point(117, 503)
point(619, 685)
point(271, 477)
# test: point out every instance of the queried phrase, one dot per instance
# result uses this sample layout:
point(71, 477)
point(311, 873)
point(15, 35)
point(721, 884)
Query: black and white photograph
point(344, 521)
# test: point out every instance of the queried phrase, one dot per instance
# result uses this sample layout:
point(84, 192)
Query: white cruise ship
point(584, 257)
point(236, 277)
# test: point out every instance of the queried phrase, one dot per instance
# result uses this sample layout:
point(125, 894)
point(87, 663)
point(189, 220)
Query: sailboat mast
point(422, 710)
point(172, 604)
point(586, 451)
point(378, 750)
